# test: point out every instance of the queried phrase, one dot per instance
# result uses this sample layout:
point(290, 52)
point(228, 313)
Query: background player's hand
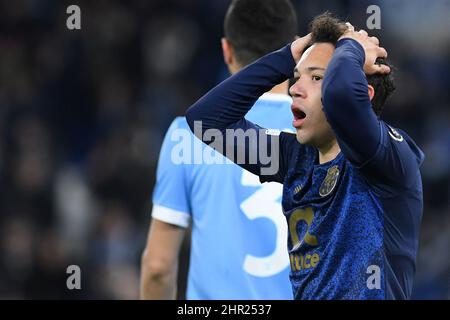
point(372, 49)
point(299, 45)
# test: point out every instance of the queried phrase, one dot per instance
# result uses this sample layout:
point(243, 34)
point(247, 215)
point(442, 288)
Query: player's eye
point(316, 78)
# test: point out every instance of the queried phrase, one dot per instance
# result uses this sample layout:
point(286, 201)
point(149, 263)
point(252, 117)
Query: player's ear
point(371, 92)
point(227, 51)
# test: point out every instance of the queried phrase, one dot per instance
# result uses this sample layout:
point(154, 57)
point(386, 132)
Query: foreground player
point(352, 187)
point(238, 245)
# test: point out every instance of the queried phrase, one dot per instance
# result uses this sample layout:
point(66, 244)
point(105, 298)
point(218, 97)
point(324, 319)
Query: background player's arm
point(171, 213)
point(159, 264)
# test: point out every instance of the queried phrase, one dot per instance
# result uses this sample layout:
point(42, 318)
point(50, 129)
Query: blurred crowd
point(83, 114)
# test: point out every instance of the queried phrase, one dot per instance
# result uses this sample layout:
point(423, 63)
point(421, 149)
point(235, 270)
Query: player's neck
point(281, 88)
point(329, 151)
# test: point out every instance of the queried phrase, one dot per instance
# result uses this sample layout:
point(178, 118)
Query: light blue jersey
point(239, 233)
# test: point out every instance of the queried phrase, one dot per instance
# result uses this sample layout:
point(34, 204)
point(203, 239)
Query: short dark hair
point(328, 28)
point(257, 27)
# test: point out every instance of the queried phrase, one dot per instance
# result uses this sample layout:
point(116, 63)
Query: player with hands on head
point(352, 190)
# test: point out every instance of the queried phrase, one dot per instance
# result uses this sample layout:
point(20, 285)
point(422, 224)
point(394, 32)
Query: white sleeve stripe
point(171, 216)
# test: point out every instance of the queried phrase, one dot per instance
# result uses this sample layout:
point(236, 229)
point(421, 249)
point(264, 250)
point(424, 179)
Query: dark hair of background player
point(255, 28)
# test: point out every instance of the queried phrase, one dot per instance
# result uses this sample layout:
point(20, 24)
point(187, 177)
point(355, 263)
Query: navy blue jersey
point(354, 221)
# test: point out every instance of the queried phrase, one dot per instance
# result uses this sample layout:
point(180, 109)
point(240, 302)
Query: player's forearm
point(158, 286)
point(228, 102)
point(347, 103)
point(155, 288)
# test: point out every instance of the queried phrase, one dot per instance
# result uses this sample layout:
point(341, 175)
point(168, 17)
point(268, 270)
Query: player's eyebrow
point(310, 69)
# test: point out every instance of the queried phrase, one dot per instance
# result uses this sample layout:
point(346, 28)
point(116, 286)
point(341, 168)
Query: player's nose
point(296, 90)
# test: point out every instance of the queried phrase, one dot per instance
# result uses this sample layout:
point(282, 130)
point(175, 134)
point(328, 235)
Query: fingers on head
point(363, 32)
point(383, 69)
point(382, 53)
point(375, 40)
point(379, 69)
point(350, 26)
point(308, 37)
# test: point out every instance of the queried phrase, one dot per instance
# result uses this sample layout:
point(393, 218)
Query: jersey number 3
point(264, 204)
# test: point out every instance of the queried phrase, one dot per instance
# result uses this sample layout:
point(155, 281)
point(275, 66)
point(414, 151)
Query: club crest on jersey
point(395, 135)
point(329, 182)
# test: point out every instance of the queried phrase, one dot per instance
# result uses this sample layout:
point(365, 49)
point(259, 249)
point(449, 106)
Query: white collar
point(276, 97)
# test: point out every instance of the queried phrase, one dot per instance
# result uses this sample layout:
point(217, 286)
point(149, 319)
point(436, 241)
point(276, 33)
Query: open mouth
point(298, 114)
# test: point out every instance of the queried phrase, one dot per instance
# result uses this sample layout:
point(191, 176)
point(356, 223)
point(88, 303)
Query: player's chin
point(303, 136)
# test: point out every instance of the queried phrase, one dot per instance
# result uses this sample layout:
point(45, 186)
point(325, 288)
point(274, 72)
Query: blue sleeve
point(225, 106)
point(171, 192)
point(366, 141)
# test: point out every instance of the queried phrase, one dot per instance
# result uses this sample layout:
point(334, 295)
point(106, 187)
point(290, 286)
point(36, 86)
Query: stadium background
point(83, 114)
